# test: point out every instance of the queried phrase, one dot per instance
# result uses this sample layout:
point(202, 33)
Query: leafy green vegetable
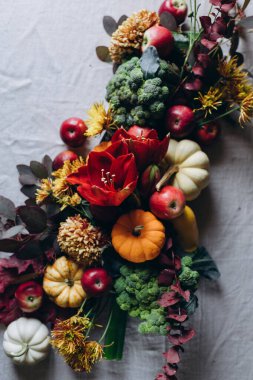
point(205, 265)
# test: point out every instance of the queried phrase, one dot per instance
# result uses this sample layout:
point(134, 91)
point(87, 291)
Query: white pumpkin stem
point(167, 175)
point(23, 351)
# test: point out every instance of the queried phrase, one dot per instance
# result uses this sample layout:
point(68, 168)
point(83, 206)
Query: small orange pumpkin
point(138, 236)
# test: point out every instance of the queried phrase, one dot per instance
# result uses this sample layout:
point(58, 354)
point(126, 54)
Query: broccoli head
point(188, 278)
point(137, 292)
point(135, 99)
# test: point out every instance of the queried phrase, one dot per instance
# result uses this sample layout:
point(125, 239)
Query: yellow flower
point(61, 189)
point(246, 109)
point(85, 357)
point(210, 101)
point(129, 35)
point(67, 336)
point(99, 119)
point(230, 70)
point(44, 191)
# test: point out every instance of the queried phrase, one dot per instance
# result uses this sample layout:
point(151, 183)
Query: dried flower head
point(78, 238)
point(93, 354)
point(129, 35)
point(67, 336)
point(210, 101)
point(230, 70)
point(44, 191)
point(99, 119)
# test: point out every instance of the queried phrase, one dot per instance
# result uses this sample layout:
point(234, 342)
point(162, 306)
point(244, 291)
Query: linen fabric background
point(49, 72)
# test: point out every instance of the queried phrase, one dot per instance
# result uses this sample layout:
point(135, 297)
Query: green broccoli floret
point(143, 99)
point(137, 292)
point(188, 278)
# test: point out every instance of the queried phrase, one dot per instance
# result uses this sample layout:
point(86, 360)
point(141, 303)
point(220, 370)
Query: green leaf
point(115, 336)
point(13, 231)
point(103, 54)
point(122, 19)
point(150, 62)
point(10, 245)
point(168, 21)
point(7, 208)
point(192, 305)
point(34, 218)
point(205, 265)
point(181, 40)
point(26, 176)
point(47, 162)
point(110, 25)
point(29, 191)
point(38, 169)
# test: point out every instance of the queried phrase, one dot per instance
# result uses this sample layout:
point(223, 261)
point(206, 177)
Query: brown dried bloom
point(129, 35)
point(82, 241)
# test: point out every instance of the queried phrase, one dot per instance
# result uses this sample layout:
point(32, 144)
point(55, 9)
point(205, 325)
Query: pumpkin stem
point(137, 230)
point(167, 175)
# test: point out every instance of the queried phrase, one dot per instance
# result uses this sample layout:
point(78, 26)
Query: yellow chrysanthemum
point(61, 189)
point(129, 35)
point(99, 119)
point(210, 101)
point(44, 191)
point(237, 89)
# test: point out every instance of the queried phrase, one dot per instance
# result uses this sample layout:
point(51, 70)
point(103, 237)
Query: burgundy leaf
point(194, 85)
point(9, 310)
point(12, 267)
point(170, 370)
point(166, 277)
point(205, 22)
point(177, 263)
point(169, 299)
point(178, 315)
point(172, 355)
point(227, 6)
point(204, 59)
point(161, 376)
point(183, 337)
point(198, 70)
point(184, 293)
point(208, 44)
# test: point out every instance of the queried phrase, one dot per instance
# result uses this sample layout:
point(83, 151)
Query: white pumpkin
point(186, 166)
point(26, 341)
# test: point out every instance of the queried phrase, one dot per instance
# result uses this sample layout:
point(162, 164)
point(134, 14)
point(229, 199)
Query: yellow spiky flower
point(44, 191)
point(128, 37)
point(82, 241)
point(210, 101)
point(99, 119)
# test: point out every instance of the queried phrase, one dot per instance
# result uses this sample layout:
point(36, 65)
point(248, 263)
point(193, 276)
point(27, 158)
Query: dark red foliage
point(178, 315)
point(9, 310)
point(166, 277)
point(182, 336)
point(172, 355)
point(183, 293)
point(169, 299)
point(170, 370)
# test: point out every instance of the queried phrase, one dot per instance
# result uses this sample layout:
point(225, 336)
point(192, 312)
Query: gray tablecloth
point(49, 72)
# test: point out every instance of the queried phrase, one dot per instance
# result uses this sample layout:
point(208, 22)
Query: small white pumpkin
point(26, 341)
point(186, 166)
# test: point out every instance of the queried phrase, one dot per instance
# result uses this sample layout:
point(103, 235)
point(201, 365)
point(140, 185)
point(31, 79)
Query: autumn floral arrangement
point(108, 235)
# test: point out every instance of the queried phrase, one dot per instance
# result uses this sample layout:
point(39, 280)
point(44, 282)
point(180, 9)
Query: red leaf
point(168, 299)
point(179, 316)
point(170, 370)
point(166, 277)
point(9, 310)
point(172, 355)
point(184, 293)
point(12, 267)
point(182, 338)
point(161, 376)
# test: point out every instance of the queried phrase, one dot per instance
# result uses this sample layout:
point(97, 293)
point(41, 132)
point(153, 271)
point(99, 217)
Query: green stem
point(191, 46)
point(220, 116)
point(195, 16)
point(82, 307)
point(107, 327)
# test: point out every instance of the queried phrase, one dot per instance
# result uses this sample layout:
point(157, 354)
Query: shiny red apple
point(177, 8)
point(66, 155)
point(72, 132)
point(159, 37)
point(179, 120)
point(208, 133)
point(96, 281)
point(167, 204)
point(29, 296)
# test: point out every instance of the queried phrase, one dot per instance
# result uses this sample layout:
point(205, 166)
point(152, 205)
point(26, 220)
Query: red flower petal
point(172, 355)
point(118, 148)
point(97, 162)
point(79, 177)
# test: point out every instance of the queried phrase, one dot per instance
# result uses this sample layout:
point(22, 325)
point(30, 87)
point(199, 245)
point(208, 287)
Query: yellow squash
point(187, 230)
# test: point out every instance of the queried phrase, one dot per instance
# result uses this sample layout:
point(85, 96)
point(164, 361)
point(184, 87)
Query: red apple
point(179, 121)
point(72, 132)
point(169, 203)
point(96, 281)
point(178, 9)
point(208, 133)
point(29, 296)
point(66, 155)
point(159, 37)
point(137, 131)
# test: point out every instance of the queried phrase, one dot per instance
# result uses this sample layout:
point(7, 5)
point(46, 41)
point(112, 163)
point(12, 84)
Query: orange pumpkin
point(138, 236)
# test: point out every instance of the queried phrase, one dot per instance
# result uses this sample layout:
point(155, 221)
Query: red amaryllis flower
point(144, 144)
point(108, 178)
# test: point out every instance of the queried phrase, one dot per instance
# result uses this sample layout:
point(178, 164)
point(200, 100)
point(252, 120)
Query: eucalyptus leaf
point(110, 25)
point(246, 23)
point(13, 231)
point(181, 40)
point(192, 305)
point(122, 19)
point(10, 245)
point(205, 265)
point(27, 179)
point(31, 250)
point(38, 169)
point(7, 208)
point(150, 62)
point(103, 54)
point(34, 218)
point(48, 163)
point(168, 21)
point(29, 191)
